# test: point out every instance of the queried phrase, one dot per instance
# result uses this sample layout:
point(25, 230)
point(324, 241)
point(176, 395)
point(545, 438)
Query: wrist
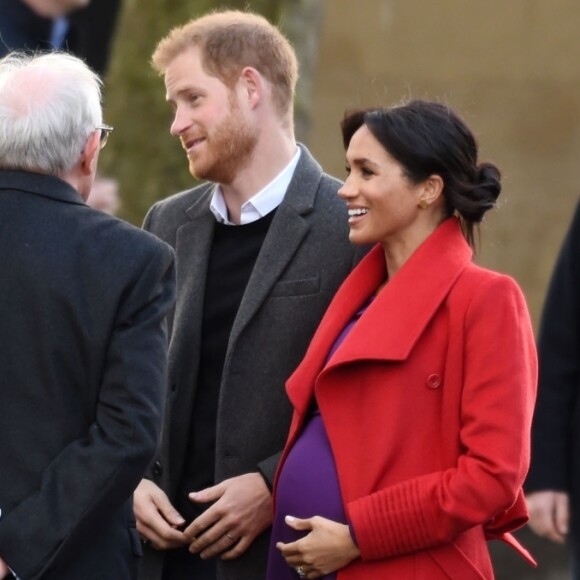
point(351, 547)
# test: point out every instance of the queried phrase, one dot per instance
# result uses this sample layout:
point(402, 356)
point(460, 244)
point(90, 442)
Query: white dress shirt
point(260, 204)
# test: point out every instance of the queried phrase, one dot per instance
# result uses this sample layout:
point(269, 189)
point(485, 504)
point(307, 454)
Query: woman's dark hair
point(428, 138)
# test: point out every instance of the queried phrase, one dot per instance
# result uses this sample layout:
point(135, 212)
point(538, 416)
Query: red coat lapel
point(395, 320)
point(353, 293)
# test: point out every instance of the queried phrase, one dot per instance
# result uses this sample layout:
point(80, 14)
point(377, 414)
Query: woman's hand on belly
point(327, 547)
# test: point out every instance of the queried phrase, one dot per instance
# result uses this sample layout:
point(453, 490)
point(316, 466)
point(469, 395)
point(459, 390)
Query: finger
point(545, 526)
point(543, 521)
point(291, 553)
point(291, 549)
point(203, 528)
point(162, 539)
point(172, 517)
point(294, 561)
point(149, 501)
point(152, 526)
point(297, 523)
point(208, 538)
point(562, 516)
point(219, 547)
point(540, 516)
point(169, 513)
point(208, 494)
point(237, 549)
point(150, 517)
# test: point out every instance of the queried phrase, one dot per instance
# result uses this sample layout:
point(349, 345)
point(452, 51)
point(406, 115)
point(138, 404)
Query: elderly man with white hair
point(83, 299)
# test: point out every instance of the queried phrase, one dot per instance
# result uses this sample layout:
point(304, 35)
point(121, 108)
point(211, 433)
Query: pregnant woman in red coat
point(412, 407)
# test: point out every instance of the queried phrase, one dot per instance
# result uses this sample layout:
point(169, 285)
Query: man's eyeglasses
point(105, 132)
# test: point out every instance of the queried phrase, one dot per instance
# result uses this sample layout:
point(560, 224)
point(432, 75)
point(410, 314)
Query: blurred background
point(511, 68)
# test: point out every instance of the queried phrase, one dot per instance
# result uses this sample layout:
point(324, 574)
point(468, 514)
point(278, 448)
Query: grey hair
point(49, 106)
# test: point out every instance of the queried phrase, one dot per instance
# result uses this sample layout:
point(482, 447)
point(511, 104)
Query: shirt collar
point(260, 204)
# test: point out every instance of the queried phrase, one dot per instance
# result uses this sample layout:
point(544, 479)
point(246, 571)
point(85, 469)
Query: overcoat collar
point(396, 318)
point(39, 184)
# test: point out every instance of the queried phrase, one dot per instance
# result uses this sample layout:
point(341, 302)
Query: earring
point(423, 204)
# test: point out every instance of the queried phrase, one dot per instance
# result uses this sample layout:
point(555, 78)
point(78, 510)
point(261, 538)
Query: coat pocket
point(296, 287)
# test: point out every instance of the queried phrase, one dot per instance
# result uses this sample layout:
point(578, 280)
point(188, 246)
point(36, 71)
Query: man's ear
point(90, 153)
point(252, 84)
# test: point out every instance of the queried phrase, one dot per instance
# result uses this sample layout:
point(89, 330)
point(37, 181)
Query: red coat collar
point(394, 321)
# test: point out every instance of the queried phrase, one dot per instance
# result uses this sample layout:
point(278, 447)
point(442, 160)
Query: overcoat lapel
point(192, 251)
point(394, 321)
point(287, 232)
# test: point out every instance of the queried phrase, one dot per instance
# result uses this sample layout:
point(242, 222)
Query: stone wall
point(512, 69)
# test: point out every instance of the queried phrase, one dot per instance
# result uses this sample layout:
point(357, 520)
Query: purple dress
point(307, 486)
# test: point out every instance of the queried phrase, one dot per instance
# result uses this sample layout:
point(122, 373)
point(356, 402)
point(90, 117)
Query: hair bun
point(481, 196)
point(488, 180)
point(484, 192)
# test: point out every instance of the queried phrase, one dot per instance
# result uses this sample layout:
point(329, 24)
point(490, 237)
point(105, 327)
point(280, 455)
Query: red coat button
point(433, 381)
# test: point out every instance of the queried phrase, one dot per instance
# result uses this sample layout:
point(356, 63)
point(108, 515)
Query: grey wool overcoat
point(304, 258)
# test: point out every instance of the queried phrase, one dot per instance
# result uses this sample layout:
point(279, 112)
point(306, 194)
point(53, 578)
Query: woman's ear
point(432, 190)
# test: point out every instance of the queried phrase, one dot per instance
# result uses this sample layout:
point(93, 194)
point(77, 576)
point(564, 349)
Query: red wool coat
point(427, 404)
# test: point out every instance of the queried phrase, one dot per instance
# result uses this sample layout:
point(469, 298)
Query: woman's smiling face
point(383, 203)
